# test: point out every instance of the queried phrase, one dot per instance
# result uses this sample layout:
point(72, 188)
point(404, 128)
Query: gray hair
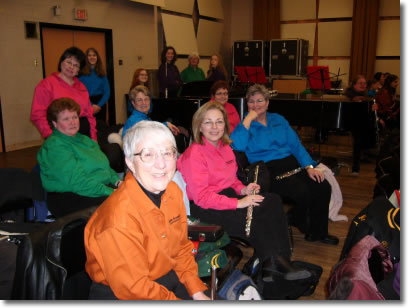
point(193, 54)
point(136, 90)
point(257, 89)
point(139, 131)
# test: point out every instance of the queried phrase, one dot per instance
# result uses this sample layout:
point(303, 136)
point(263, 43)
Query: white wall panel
point(211, 8)
point(180, 6)
point(335, 8)
point(335, 38)
point(388, 38)
point(179, 33)
point(209, 37)
point(298, 10)
point(302, 31)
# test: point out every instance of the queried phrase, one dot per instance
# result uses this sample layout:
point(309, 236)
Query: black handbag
point(246, 172)
point(205, 233)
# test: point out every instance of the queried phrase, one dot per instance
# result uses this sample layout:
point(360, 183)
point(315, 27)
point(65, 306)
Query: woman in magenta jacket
point(64, 83)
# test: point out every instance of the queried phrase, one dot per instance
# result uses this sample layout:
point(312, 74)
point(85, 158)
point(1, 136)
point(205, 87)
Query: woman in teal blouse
point(93, 76)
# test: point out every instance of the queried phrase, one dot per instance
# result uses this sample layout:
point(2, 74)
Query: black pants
point(269, 229)
point(311, 199)
point(170, 281)
point(84, 126)
point(115, 155)
point(61, 204)
point(182, 142)
point(101, 115)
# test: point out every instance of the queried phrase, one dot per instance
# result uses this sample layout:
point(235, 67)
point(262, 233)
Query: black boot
point(281, 267)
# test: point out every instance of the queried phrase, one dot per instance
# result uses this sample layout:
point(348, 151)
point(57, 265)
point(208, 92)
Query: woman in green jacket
point(74, 171)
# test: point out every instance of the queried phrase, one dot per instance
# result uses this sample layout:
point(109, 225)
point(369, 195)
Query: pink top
point(233, 117)
point(54, 87)
point(232, 114)
point(207, 170)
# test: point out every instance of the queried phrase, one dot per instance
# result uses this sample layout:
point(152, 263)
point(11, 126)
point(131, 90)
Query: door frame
point(109, 59)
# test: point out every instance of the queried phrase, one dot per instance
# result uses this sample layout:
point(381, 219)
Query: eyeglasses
point(148, 156)
point(259, 101)
point(70, 63)
point(141, 100)
point(222, 93)
point(211, 123)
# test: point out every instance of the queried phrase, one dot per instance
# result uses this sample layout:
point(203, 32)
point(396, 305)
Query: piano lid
point(196, 89)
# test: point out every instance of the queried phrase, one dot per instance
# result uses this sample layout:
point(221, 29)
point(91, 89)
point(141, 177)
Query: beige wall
point(134, 34)
point(237, 26)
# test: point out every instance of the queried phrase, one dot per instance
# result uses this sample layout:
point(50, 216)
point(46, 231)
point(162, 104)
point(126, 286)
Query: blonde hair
point(136, 90)
point(257, 89)
point(198, 119)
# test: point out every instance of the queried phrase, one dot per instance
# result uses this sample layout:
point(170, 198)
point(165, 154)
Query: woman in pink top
point(64, 83)
point(219, 93)
point(209, 169)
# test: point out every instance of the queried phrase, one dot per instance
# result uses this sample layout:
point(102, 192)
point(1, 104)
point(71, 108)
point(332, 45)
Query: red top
point(54, 87)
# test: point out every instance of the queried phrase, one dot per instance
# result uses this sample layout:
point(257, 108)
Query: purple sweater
point(171, 81)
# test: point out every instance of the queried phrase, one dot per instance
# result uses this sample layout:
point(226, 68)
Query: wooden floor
point(357, 193)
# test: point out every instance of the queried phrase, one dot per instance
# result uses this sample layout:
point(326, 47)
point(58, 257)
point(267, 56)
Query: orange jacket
point(130, 242)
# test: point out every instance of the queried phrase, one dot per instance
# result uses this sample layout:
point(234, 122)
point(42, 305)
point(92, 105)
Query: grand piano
point(333, 112)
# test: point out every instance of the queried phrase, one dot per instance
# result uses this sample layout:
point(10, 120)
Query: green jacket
point(189, 74)
point(75, 164)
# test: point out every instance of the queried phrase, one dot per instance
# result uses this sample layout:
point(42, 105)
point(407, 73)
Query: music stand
point(318, 77)
point(242, 73)
point(254, 74)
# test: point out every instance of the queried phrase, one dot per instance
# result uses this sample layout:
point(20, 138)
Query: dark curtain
point(364, 38)
point(266, 19)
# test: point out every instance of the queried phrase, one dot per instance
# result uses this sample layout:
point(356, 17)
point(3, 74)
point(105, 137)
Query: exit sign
point(80, 14)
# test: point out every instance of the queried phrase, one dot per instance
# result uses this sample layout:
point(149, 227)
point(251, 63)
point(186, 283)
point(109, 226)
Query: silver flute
point(251, 207)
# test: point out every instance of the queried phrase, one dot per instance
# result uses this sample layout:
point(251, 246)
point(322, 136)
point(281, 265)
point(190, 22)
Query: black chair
point(18, 190)
point(50, 262)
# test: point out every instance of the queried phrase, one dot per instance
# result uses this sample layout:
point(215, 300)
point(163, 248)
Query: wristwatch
point(309, 167)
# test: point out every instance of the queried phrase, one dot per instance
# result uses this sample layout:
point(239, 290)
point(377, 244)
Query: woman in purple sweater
point(169, 75)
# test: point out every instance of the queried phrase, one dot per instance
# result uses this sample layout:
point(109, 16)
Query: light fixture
point(57, 10)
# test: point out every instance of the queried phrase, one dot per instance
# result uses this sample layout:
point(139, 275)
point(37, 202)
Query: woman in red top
point(388, 106)
point(219, 93)
point(64, 83)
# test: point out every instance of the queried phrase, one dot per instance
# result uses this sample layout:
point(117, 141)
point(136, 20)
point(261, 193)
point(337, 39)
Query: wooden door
point(56, 40)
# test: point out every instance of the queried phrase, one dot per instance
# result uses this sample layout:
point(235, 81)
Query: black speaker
point(288, 57)
point(251, 53)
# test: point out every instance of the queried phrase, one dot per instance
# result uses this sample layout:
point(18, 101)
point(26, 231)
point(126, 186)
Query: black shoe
point(281, 267)
point(327, 239)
